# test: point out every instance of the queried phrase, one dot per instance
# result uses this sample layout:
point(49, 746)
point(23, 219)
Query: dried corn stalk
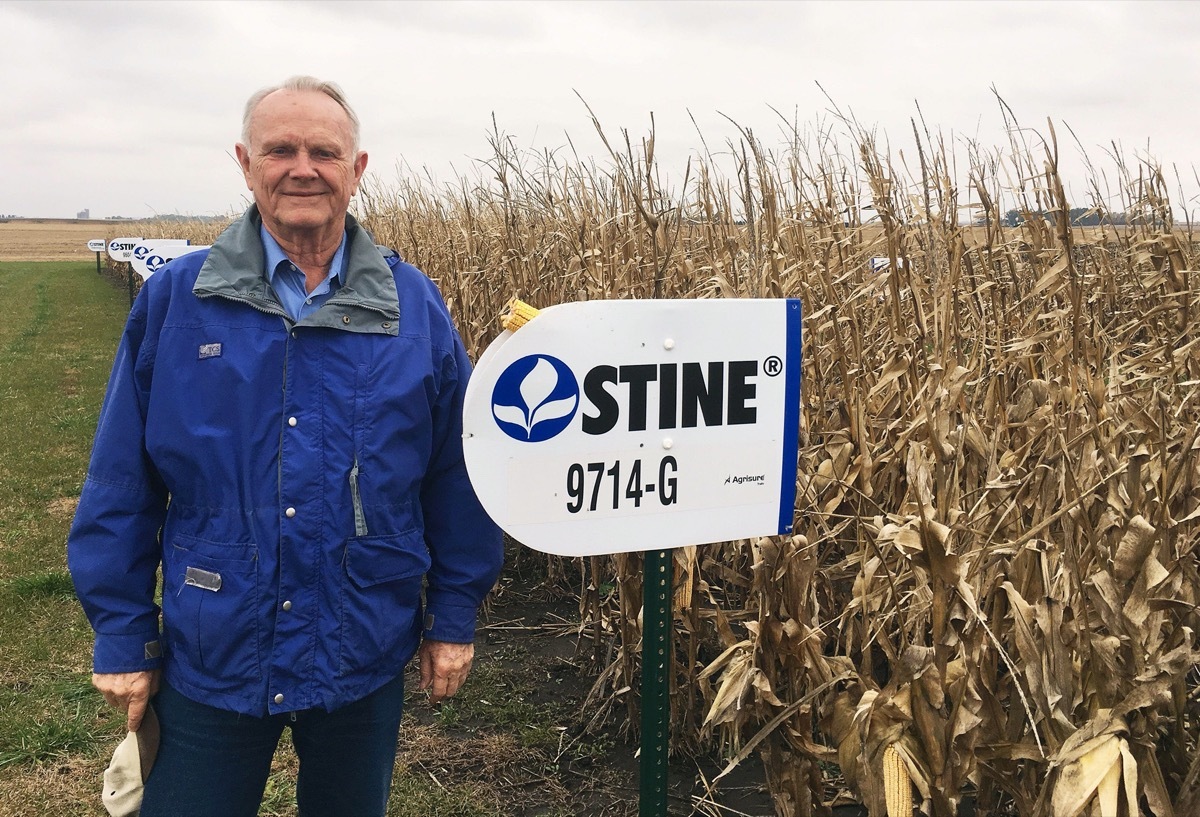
point(994, 576)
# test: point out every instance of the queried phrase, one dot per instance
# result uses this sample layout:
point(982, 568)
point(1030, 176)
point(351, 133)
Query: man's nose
point(303, 166)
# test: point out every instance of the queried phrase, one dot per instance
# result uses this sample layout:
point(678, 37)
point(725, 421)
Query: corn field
point(993, 582)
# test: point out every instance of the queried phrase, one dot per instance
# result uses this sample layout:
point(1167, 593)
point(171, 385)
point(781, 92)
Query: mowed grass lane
point(60, 329)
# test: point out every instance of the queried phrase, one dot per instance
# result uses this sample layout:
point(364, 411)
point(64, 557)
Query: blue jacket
point(297, 483)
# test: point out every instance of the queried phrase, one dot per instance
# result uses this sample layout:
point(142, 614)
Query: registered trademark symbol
point(772, 366)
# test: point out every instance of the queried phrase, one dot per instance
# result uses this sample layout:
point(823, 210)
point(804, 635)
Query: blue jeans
point(215, 763)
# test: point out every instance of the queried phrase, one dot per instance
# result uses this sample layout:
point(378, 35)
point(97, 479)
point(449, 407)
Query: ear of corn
point(897, 788)
point(517, 314)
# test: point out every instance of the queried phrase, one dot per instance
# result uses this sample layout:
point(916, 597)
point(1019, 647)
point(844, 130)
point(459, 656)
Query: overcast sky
point(132, 109)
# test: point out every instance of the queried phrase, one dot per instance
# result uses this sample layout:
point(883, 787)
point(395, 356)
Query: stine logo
point(537, 397)
point(686, 395)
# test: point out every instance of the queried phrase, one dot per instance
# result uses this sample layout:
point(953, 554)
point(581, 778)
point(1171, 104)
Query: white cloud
point(124, 107)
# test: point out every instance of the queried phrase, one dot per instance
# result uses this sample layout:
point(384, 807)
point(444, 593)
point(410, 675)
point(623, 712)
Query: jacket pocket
point(381, 600)
point(210, 601)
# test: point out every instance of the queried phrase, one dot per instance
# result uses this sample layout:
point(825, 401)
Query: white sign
point(151, 254)
point(880, 263)
point(121, 249)
point(97, 245)
point(618, 426)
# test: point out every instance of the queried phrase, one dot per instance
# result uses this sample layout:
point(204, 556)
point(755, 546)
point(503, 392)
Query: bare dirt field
point(51, 239)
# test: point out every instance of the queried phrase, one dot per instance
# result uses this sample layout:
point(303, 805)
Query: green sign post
point(656, 681)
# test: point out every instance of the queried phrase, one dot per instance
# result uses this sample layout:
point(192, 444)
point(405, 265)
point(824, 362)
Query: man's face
point(301, 164)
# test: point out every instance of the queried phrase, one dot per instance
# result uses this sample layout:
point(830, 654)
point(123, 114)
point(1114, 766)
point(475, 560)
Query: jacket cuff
point(449, 622)
point(138, 652)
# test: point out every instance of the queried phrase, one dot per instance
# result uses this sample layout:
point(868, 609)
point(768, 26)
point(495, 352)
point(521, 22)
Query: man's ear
point(360, 166)
point(243, 157)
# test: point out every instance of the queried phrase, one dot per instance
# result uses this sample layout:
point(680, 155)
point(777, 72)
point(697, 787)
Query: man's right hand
point(128, 691)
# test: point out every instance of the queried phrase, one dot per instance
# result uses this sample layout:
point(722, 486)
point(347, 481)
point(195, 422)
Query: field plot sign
point(97, 245)
point(616, 426)
point(121, 249)
point(150, 254)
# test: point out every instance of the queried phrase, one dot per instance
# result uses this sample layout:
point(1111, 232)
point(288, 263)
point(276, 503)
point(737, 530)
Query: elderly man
point(282, 433)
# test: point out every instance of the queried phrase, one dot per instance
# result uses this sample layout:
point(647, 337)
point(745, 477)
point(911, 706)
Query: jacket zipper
point(260, 306)
point(360, 519)
point(282, 433)
point(268, 309)
point(333, 299)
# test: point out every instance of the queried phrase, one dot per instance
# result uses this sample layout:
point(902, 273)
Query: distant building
point(83, 215)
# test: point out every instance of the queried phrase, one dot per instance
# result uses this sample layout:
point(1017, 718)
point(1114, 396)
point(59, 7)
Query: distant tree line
point(1080, 217)
point(171, 217)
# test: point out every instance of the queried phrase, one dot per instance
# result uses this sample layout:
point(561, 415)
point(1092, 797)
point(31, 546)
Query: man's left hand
point(444, 667)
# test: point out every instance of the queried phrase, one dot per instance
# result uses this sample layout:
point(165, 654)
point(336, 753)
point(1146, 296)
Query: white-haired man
point(282, 434)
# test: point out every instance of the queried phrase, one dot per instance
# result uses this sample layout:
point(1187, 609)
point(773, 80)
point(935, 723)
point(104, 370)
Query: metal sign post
point(656, 681)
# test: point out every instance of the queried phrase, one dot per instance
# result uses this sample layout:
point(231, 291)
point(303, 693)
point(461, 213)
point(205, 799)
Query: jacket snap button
point(289, 513)
point(279, 698)
point(287, 605)
point(292, 422)
point(387, 326)
point(345, 319)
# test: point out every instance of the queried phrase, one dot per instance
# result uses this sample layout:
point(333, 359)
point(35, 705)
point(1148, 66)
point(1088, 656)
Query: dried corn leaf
point(1078, 780)
point(1150, 776)
point(1133, 548)
point(727, 702)
point(1137, 606)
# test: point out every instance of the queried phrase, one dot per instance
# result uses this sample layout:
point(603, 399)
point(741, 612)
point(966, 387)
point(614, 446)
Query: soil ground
point(49, 239)
point(529, 637)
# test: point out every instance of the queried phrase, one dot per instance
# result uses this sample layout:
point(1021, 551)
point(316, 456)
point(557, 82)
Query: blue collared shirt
point(288, 280)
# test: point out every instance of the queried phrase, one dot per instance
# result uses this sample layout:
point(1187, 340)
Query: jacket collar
point(366, 302)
